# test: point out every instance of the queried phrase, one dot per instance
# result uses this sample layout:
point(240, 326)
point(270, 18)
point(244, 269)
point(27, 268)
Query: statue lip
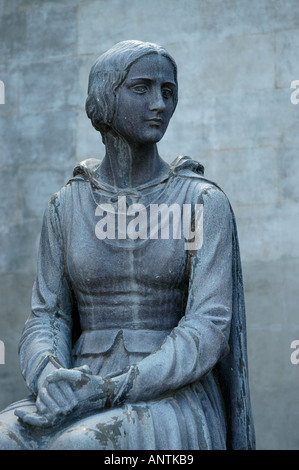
point(155, 120)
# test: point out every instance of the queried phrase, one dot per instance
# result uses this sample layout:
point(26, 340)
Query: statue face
point(145, 101)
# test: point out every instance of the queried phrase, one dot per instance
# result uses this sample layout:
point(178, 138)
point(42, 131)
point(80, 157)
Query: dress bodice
point(125, 283)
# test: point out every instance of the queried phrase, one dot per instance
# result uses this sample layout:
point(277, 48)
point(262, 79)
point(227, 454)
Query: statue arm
point(45, 344)
point(201, 338)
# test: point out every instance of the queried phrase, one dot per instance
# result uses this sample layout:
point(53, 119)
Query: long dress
point(166, 315)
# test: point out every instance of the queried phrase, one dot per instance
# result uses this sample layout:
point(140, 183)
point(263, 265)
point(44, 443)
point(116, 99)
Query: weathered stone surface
point(48, 86)
point(36, 185)
point(19, 243)
point(56, 39)
point(288, 162)
point(12, 34)
point(49, 140)
point(266, 233)
point(286, 63)
point(248, 176)
point(9, 210)
point(272, 306)
point(15, 288)
point(216, 74)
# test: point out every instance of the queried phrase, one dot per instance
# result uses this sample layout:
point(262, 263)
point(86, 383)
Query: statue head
point(107, 75)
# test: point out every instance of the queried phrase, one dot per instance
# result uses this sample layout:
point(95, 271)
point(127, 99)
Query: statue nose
point(157, 102)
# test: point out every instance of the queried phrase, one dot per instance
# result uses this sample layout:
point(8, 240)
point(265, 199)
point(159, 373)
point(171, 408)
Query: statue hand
point(85, 386)
point(65, 393)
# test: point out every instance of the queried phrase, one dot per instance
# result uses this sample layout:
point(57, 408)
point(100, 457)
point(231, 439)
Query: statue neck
point(128, 165)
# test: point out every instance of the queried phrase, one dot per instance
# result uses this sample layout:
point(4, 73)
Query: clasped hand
point(65, 392)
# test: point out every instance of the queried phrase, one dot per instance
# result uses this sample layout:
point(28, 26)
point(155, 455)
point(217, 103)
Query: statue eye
point(139, 89)
point(167, 93)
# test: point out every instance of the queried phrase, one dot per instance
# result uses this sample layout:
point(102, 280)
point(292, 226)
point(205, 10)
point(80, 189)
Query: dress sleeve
point(200, 340)
point(47, 333)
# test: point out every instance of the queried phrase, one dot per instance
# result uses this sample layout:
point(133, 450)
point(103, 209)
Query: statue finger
point(45, 404)
point(85, 368)
point(70, 375)
point(67, 390)
point(56, 394)
point(33, 419)
point(64, 396)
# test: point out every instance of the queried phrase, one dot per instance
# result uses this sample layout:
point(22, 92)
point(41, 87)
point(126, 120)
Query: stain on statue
point(134, 342)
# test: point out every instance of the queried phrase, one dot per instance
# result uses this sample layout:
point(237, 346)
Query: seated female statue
point(137, 335)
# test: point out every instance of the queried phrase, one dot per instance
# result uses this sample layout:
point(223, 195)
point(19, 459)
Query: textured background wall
point(236, 61)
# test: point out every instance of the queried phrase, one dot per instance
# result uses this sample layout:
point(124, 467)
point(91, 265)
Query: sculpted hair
point(108, 73)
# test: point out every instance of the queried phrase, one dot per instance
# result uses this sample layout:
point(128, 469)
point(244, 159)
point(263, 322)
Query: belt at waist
point(100, 341)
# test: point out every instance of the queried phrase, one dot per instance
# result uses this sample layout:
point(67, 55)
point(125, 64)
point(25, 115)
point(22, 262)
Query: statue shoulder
point(87, 168)
point(200, 186)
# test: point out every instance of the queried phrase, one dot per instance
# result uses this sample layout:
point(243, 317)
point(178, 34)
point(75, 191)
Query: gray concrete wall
point(236, 62)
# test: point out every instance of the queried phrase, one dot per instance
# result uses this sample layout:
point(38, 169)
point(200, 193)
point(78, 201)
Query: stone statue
point(137, 336)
